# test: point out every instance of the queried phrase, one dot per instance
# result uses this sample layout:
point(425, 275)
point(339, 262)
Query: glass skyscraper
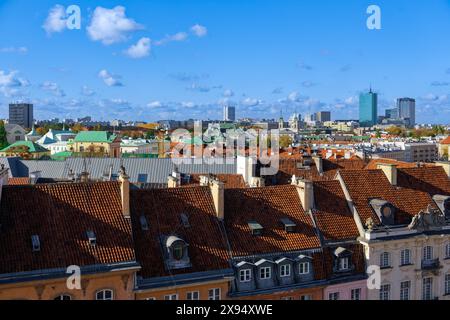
point(407, 110)
point(368, 109)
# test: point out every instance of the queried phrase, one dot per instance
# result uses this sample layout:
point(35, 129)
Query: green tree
point(285, 141)
point(3, 136)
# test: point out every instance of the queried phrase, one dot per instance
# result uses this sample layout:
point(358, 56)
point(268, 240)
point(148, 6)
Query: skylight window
point(144, 223)
point(185, 220)
point(92, 238)
point(36, 243)
point(255, 228)
point(289, 225)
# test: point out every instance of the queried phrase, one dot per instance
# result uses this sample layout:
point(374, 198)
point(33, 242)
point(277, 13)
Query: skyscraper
point(229, 113)
point(323, 116)
point(407, 110)
point(368, 109)
point(21, 114)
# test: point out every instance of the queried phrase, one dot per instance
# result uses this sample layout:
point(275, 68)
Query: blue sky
point(160, 59)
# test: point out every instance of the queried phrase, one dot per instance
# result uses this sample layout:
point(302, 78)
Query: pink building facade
point(355, 290)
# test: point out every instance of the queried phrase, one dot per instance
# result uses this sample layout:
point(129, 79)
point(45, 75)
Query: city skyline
point(187, 66)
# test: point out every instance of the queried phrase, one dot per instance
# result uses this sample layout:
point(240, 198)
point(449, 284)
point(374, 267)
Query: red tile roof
point(445, 141)
point(19, 181)
point(333, 217)
point(163, 209)
point(231, 181)
point(61, 214)
point(267, 206)
point(364, 185)
point(373, 164)
point(433, 180)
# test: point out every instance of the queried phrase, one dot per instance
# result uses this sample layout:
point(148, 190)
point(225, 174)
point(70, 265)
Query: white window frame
point(60, 296)
point(447, 251)
point(344, 263)
point(405, 290)
point(285, 270)
point(333, 296)
point(265, 273)
point(303, 268)
point(306, 297)
point(192, 295)
point(428, 253)
point(405, 257)
point(103, 292)
point(385, 260)
point(245, 275)
point(447, 284)
point(385, 292)
point(170, 297)
point(355, 294)
point(427, 288)
point(214, 294)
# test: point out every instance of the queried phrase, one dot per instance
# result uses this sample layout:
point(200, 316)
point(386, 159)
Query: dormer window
point(177, 255)
point(36, 243)
point(255, 228)
point(342, 260)
point(344, 264)
point(185, 220)
point(288, 225)
point(91, 238)
point(303, 268)
point(384, 210)
point(443, 202)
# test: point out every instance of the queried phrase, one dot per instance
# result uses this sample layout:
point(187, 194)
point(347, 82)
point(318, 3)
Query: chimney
point(217, 190)
point(84, 177)
point(305, 190)
point(445, 165)
point(390, 170)
point(125, 192)
point(204, 181)
point(319, 163)
point(257, 182)
point(172, 182)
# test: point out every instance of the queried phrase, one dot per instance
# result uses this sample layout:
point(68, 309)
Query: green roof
point(32, 147)
point(61, 155)
point(95, 136)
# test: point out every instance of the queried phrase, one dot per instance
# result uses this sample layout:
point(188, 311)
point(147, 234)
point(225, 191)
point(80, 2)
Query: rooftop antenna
point(370, 88)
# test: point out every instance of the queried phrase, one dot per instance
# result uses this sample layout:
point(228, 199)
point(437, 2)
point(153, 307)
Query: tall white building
point(407, 110)
point(229, 113)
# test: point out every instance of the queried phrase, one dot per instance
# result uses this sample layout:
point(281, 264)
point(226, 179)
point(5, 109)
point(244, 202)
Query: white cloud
point(250, 102)
point(294, 96)
point(139, 50)
point(199, 31)
point(20, 50)
point(228, 93)
point(111, 80)
point(111, 25)
point(155, 104)
point(188, 104)
point(56, 20)
point(86, 91)
point(177, 37)
point(10, 84)
point(53, 88)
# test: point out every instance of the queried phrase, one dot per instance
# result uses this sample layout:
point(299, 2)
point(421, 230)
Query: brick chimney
point(204, 181)
point(390, 170)
point(173, 182)
point(319, 163)
point(217, 191)
point(305, 190)
point(445, 165)
point(125, 192)
point(84, 177)
point(257, 182)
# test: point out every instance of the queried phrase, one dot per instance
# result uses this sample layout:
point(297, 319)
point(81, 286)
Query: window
point(104, 295)
point(447, 284)
point(304, 268)
point(194, 295)
point(177, 251)
point(384, 260)
point(385, 292)
point(173, 296)
point(427, 289)
point(343, 264)
point(428, 253)
point(63, 297)
point(306, 297)
point(264, 273)
point(285, 270)
point(333, 296)
point(447, 250)
point(214, 294)
point(405, 257)
point(356, 294)
point(405, 288)
point(287, 298)
point(245, 275)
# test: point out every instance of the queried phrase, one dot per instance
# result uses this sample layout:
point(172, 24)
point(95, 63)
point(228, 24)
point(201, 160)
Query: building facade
point(407, 110)
point(368, 109)
point(21, 114)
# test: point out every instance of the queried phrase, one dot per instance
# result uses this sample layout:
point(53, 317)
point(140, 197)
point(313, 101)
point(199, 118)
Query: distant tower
point(407, 110)
point(281, 121)
point(229, 113)
point(21, 114)
point(368, 109)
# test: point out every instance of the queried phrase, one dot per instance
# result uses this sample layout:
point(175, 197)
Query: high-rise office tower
point(21, 114)
point(229, 113)
point(391, 113)
point(407, 110)
point(323, 116)
point(368, 109)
